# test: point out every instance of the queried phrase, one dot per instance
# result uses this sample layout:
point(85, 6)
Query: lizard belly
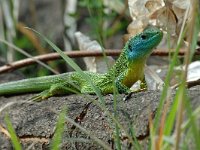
point(133, 76)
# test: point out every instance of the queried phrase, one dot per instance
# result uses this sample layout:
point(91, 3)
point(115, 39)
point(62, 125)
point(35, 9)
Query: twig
point(75, 54)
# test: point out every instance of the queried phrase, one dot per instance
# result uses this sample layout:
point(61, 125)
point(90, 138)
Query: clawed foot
point(126, 97)
point(42, 96)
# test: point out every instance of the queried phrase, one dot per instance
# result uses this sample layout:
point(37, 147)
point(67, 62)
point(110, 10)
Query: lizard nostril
point(130, 47)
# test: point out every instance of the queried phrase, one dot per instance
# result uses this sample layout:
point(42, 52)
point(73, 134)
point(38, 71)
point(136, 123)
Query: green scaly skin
point(128, 69)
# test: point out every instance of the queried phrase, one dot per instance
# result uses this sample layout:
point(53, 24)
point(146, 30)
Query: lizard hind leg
point(57, 89)
point(41, 96)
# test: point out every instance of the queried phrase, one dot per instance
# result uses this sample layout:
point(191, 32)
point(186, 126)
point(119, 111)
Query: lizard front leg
point(143, 87)
point(119, 83)
point(143, 84)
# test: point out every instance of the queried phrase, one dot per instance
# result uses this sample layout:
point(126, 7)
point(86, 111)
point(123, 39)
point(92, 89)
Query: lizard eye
point(144, 36)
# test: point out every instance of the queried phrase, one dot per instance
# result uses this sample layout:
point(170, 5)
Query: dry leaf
point(153, 5)
point(167, 20)
point(168, 15)
point(140, 11)
point(137, 8)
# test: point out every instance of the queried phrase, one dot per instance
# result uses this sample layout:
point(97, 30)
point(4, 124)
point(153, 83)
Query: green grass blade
point(195, 113)
point(136, 144)
point(166, 86)
point(72, 64)
point(28, 55)
point(192, 124)
point(97, 140)
point(57, 138)
point(172, 115)
point(76, 68)
point(194, 38)
point(14, 139)
point(117, 129)
point(117, 137)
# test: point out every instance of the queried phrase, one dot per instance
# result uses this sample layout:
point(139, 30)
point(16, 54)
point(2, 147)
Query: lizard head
point(141, 45)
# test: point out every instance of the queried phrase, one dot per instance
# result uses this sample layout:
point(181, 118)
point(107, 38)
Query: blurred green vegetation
point(101, 22)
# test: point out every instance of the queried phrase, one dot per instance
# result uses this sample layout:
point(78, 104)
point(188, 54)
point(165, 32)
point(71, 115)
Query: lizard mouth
point(155, 37)
point(159, 33)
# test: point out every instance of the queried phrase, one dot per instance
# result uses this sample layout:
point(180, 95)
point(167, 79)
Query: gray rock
point(34, 122)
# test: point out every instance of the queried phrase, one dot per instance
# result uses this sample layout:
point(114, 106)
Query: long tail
point(31, 85)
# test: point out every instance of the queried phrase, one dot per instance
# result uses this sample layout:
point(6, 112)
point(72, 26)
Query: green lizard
point(128, 69)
